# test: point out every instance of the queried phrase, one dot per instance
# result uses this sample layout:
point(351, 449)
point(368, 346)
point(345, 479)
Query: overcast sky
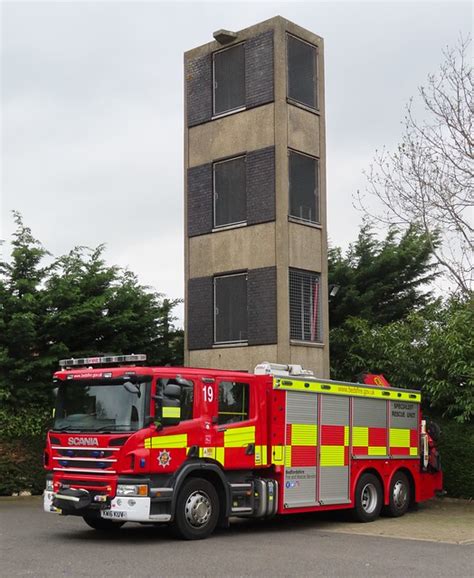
point(92, 123)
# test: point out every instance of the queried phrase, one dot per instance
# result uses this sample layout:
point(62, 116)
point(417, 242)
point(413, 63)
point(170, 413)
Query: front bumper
point(121, 509)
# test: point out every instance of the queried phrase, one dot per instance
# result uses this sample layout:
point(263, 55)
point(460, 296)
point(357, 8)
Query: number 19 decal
point(208, 392)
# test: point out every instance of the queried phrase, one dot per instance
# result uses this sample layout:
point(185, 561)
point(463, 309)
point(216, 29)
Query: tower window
point(302, 72)
point(229, 79)
point(230, 198)
point(304, 187)
point(305, 306)
point(230, 308)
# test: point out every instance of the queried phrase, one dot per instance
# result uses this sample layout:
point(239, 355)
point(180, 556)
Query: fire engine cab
point(195, 447)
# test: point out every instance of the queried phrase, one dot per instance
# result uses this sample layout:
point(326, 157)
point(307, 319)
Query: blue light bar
point(107, 360)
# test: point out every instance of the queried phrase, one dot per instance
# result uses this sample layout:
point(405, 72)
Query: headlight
point(132, 490)
point(49, 485)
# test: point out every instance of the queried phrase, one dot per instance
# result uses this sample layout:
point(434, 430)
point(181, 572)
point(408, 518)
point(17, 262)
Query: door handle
point(250, 450)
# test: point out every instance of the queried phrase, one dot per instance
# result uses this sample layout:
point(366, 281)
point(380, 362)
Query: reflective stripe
point(239, 437)
point(260, 455)
point(217, 454)
point(360, 436)
point(332, 455)
point(377, 451)
point(176, 441)
point(171, 412)
point(278, 455)
point(413, 451)
point(347, 389)
point(304, 435)
point(399, 438)
point(288, 456)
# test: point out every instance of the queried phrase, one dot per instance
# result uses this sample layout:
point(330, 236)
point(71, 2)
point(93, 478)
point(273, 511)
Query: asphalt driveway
point(33, 543)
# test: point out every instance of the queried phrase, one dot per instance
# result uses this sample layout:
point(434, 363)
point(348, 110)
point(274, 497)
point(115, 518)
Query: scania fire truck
point(195, 447)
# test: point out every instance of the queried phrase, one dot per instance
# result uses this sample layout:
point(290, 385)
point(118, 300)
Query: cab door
point(237, 423)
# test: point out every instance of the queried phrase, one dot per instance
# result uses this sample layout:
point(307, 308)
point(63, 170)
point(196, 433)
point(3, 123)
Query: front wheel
point(102, 525)
point(197, 510)
point(399, 496)
point(368, 498)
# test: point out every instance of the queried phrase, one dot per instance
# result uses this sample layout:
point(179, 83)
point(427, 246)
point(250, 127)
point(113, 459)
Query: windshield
point(106, 407)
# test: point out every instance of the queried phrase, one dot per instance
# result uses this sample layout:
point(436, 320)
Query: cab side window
point(233, 402)
point(186, 400)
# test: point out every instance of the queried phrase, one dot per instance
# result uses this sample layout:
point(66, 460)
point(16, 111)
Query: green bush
point(456, 447)
point(21, 466)
point(24, 423)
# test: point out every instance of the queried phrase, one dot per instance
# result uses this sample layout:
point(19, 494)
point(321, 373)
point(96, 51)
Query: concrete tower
point(255, 199)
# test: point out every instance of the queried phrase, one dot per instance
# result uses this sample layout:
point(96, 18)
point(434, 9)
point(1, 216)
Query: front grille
point(73, 453)
point(87, 460)
point(83, 483)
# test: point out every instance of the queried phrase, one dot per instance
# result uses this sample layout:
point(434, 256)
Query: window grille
point(302, 62)
point(305, 306)
point(230, 308)
point(229, 79)
point(230, 195)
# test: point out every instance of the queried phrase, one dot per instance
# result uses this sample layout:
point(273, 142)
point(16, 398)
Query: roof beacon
point(107, 360)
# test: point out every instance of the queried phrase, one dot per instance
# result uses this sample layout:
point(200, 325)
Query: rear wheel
point(368, 498)
point(399, 496)
point(101, 524)
point(197, 510)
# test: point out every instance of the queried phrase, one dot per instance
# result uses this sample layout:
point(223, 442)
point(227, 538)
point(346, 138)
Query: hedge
point(456, 446)
point(22, 442)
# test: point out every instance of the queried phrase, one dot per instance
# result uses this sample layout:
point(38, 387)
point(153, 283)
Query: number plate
point(112, 514)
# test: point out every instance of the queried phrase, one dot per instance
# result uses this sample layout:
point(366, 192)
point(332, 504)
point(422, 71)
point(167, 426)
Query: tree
point(428, 180)
point(76, 306)
point(381, 281)
point(20, 311)
point(430, 350)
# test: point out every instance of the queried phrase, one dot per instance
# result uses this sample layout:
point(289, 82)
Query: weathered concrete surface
point(450, 521)
point(42, 545)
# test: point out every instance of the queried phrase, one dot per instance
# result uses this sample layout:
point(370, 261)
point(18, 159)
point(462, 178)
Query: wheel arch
point(209, 471)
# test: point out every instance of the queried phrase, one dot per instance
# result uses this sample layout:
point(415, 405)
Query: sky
point(92, 112)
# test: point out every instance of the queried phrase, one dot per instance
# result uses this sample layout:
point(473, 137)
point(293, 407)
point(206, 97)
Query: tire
point(400, 496)
point(368, 498)
point(102, 525)
point(197, 510)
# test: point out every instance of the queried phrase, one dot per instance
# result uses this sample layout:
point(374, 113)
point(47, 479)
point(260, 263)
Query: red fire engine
point(195, 447)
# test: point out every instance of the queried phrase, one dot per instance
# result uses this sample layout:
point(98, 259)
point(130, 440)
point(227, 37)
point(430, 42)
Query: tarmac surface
point(435, 540)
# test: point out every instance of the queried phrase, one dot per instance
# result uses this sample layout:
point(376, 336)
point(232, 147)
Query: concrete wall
point(283, 243)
